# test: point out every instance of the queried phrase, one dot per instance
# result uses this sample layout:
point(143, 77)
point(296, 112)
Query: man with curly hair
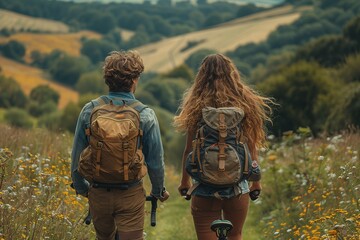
point(119, 210)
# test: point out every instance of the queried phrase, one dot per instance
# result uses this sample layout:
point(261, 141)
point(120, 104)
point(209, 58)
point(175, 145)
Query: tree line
point(150, 22)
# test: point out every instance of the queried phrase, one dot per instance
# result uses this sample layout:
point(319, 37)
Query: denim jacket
point(152, 145)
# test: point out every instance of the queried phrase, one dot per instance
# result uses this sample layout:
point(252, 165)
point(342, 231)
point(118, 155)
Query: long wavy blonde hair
point(218, 84)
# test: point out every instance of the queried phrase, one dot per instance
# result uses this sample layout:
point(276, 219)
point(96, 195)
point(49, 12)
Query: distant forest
point(150, 22)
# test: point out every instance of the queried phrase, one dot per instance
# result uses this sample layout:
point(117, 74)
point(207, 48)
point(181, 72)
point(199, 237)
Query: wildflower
point(332, 232)
point(272, 157)
point(332, 175)
point(320, 158)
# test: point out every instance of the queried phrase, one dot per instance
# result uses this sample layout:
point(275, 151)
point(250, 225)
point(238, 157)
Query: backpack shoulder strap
point(102, 100)
point(137, 105)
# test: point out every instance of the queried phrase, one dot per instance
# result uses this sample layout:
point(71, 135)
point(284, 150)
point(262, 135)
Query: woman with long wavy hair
point(218, 84)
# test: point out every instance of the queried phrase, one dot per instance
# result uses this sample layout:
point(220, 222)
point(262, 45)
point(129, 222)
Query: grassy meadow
point(310, 191)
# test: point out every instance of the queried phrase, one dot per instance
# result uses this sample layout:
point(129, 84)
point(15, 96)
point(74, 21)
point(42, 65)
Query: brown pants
point(206, 210)
point(118, 211)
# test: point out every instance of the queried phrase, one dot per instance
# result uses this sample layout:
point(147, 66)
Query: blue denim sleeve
point(153, 150)
point(80, 143)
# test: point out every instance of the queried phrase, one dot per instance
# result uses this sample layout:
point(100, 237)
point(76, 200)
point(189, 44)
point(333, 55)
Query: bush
point(51, 121)
point(37, 109)
point(346, 110)
point(68, 69)
point(18, 117)
point(43, 93)
point(11, 93)
point(97, 50)
point(13, 49)
point(329, 51)
point(352, 30)
point(146, 98)
point(299, 90)
point(69, 117)
point(183, 72)
point(91, 82)
point(163, 93)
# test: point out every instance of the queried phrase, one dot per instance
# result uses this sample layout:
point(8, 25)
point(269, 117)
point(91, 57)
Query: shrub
point(11, 93)
point(43, 93)
point(18, 117)
point(14, 50)
point(50, 121)
point(38, 109)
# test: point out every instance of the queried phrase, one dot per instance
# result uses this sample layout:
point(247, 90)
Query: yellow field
point(16, 21)
point(30, 77)
point(45, 43)
point(164, 55)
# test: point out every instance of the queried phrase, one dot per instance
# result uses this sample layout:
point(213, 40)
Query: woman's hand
point(255, 190)
point(255, 186)
point(184, 186)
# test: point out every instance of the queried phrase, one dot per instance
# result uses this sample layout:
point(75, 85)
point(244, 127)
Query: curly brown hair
point(218, 84)
point(121, 68)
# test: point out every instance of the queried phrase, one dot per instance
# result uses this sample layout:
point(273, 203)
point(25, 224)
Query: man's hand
point(165, 196)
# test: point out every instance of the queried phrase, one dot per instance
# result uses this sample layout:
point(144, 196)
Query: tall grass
point(311, 188)
point(36, 201)
point(310, 191)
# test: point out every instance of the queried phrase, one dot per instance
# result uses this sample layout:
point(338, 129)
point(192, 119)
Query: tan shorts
point(116, 210)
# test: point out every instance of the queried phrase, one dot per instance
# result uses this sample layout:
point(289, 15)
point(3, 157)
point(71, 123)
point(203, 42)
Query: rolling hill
point(16, 21)
point(46, 42)
point(30, 77)
point(164, 55)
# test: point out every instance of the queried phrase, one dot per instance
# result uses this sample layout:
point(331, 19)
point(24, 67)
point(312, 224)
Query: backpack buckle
point(100, 144)
point(125, 146)
point(221, 156)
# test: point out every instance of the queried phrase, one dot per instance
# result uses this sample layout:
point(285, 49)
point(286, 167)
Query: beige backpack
point(114, 154)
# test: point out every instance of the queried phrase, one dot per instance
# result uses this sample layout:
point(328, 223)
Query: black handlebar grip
point(87, 219)
point(153, 201)
point(183, 193)
point(153, 218)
